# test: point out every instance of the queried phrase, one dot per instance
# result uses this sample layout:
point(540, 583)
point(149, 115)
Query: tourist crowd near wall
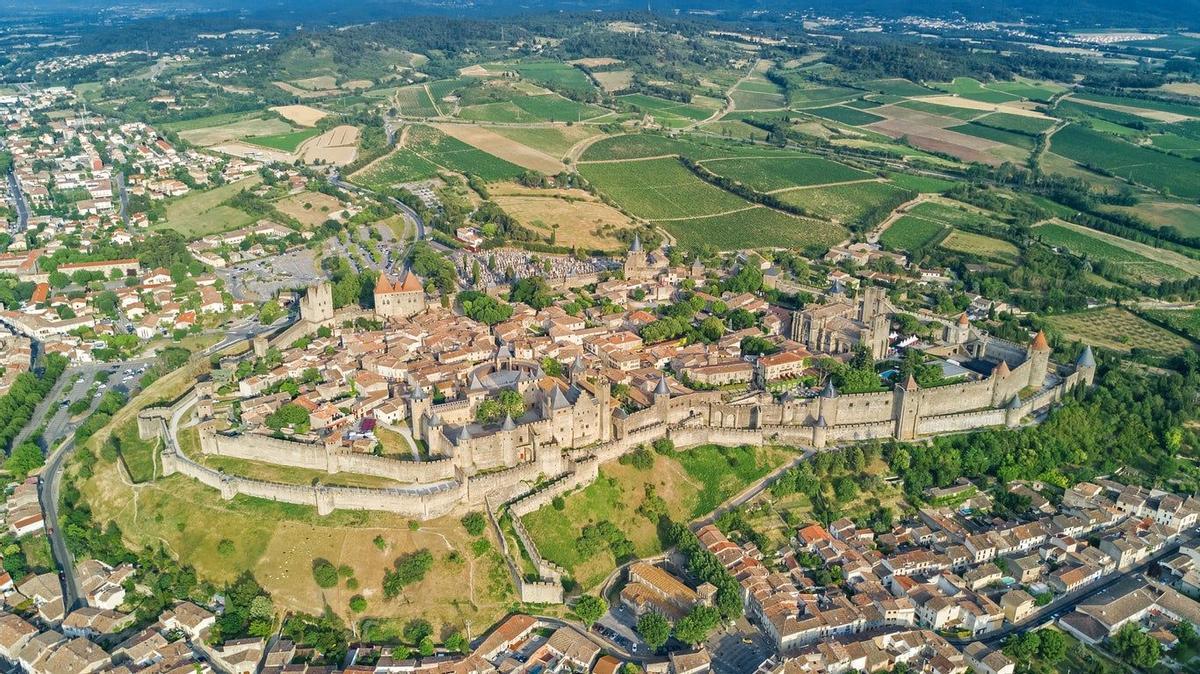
point(574, 423)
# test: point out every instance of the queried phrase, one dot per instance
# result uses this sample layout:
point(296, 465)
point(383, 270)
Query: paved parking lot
point(262, 279)
point(732, 655)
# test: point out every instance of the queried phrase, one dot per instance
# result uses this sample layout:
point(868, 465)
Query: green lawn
point(775, 173)
point(690, 483)
point(200, 212)
point(845, 115)
point(755, 228)
point(847, 203)
point(659, 188)
point(1157, 170)
point(974, 90)
point(1092, 246)
point(911, 233)
point(286, 142)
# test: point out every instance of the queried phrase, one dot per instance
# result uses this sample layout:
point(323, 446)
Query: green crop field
point(754, 228)
point(1016, 123)
point(1119, 330)
point(1186, 321)
point(401, 166)
point(816, 97)
point(414, 101)
point(550, 74)
point(965, 114)
point(768, 174)
point(666, 111)
point(1093, 247)
point(455, 155)
point(999, 135)
point(1142, 103)
point(1034, 92)
point(287, 142)
point(505, 112)
point(555, 108)
point(896, 87)
point(554, 140)
point(953, 215)
point(845, 203)
point(655, 189)
point(758, 93)
point(862, 104)
point(974, 90)
point(633, 146)
point(442, 88)
point(213, 120)
point(1102, 119)
point(1183, 217)
point(1180, 145)
point(911, 233)
point(1141, 165)
point(917, 183)
point(982, 246)
point(845, 115)
point(641, 145)
point(201, 212)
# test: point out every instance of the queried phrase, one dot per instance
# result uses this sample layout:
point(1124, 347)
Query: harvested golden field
point(255, 152)
point(614, 80)
point(338, 145)
point(582, 220)
point(317, 83)
point(310, 208)
point(305, 93)
point(959, 102)
point(223, 133)
point(358, 84)
point(299, 114)
point(505, 148)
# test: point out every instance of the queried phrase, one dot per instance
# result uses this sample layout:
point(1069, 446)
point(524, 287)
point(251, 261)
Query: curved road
point(50, 479)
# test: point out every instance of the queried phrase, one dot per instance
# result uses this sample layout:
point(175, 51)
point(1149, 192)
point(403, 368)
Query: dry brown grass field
point(303, 115)
point(505, 148)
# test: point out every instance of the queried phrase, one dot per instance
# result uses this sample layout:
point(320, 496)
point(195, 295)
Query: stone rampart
point(312, 456)
point(953, 423)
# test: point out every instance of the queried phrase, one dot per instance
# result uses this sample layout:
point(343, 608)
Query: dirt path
point(901, 210)
point(709, 215)
point(730, 105)
point(797, 188)
point(622, 161)
point(432, 99)
point(572, 156)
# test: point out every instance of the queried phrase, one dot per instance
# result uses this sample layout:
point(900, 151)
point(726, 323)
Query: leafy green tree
point(416, 630)
point(1052, 647)
point(324, 573)
point(406, 570)
point(474, 522)
point(25, 458)
point(358, 603)
point(589, 608)
point(457, 643)
point(1136, 647)
point(695, 627)
point(270, 312)
point(654, 629)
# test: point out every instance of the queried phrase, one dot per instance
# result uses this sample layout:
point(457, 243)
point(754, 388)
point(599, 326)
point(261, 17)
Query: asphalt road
point(1068, 602)
point(124, 197)
point(60, 425)
point(336, 181)
point(19, 200)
